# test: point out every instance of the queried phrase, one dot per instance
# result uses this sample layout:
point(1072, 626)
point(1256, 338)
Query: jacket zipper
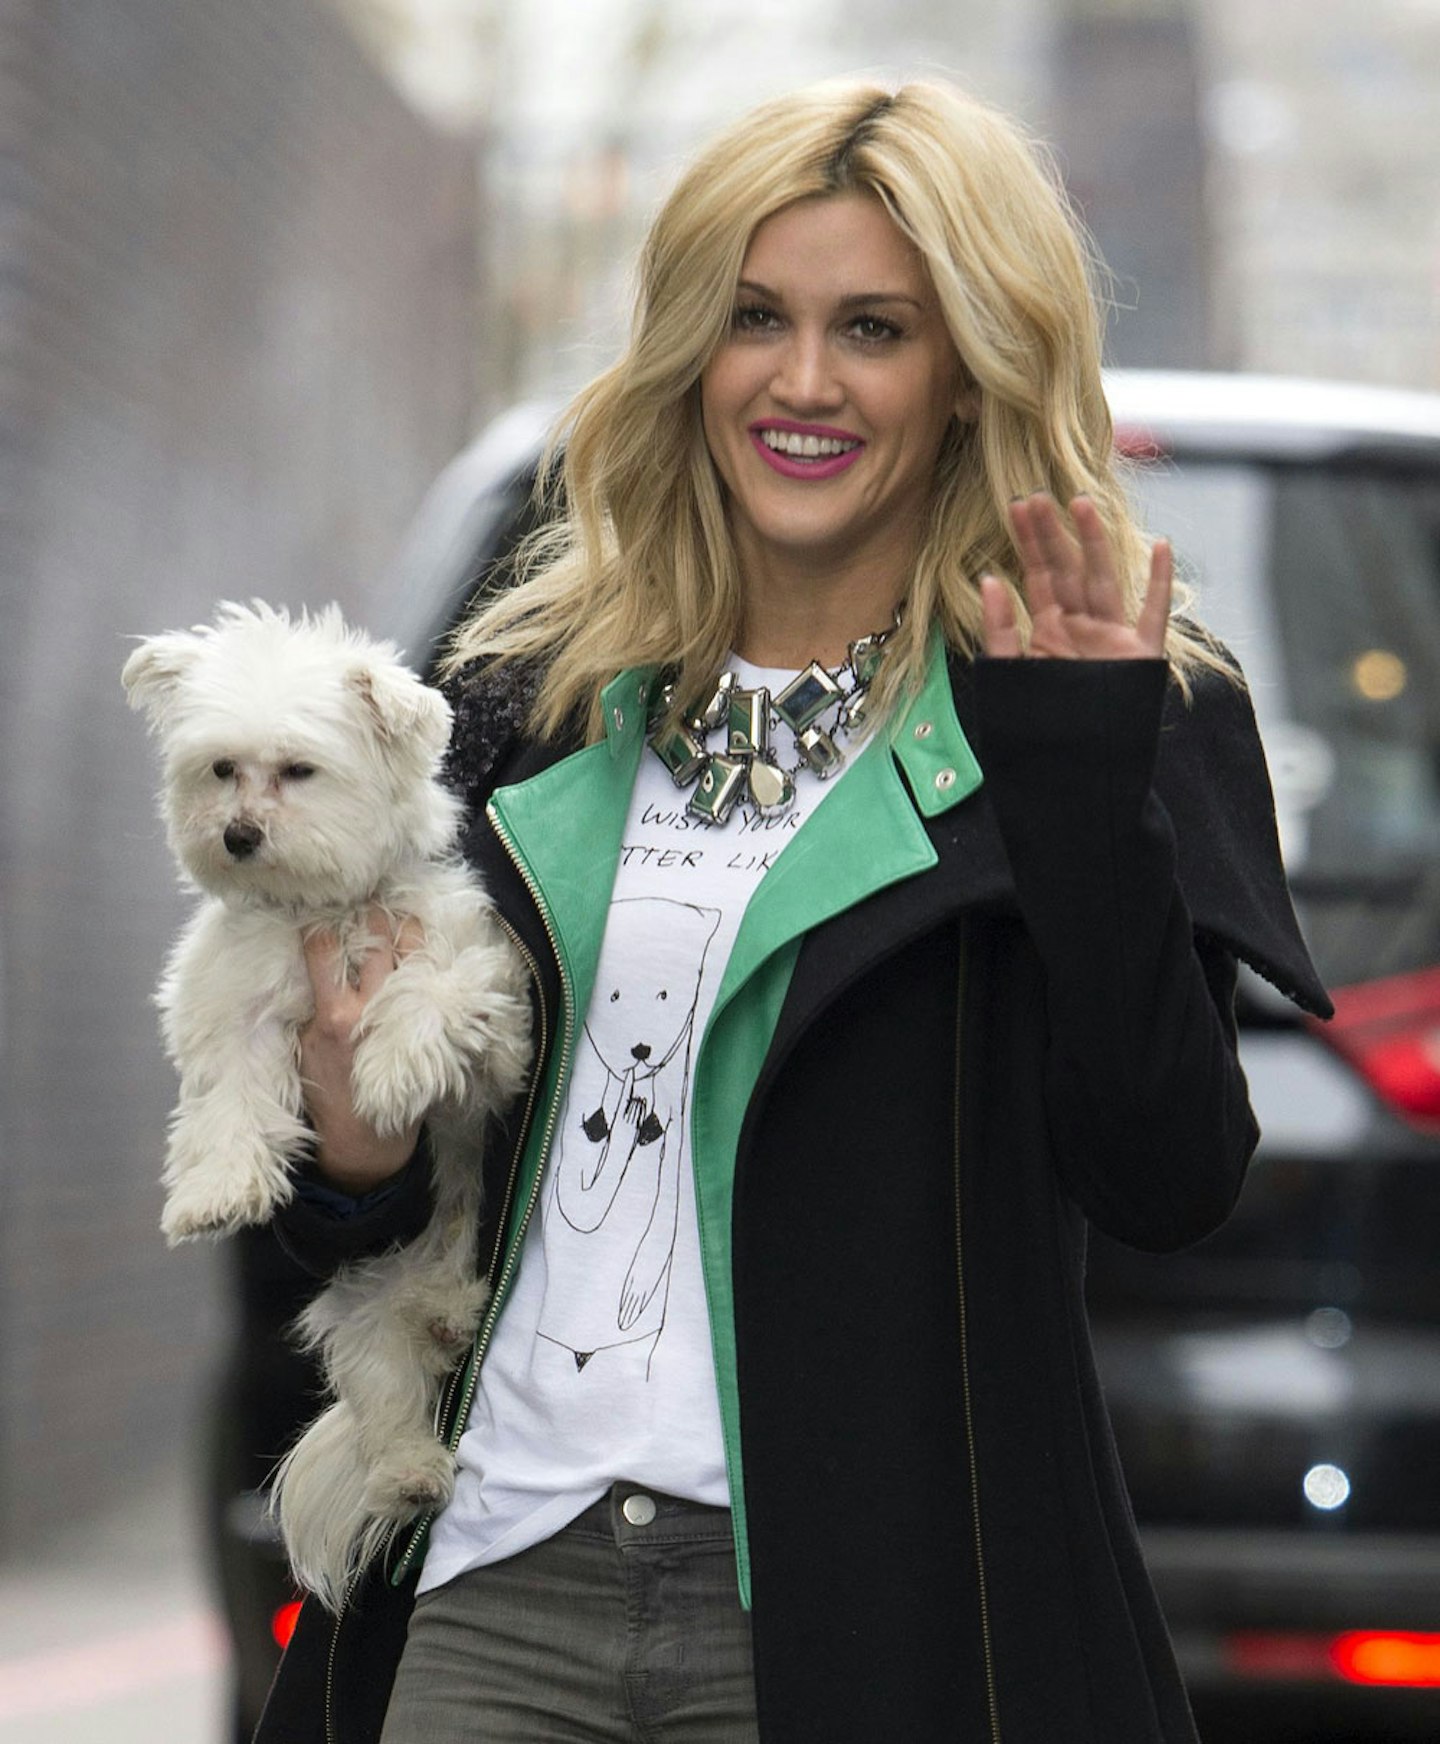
point(471, 1371)
point(447, 1416)
point(991, 1694)
point(552, 1115)
point(502, 1283)
point(331, 1735)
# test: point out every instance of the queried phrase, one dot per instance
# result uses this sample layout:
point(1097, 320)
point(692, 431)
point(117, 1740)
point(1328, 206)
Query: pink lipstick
point(798, 466)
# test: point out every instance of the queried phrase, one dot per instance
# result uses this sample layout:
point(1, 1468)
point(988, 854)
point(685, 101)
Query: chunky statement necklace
point(724, 749)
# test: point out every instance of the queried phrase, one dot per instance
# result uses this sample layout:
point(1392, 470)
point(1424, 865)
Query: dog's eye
point(298, 771)
point(222, 768)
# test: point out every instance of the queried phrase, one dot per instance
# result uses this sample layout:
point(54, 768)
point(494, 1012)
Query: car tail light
point(1267, 1653)
point(1392, 1657)
point(282, 1623)
point(1136, 443)
point(1390, 1032)
point(1389, 1657)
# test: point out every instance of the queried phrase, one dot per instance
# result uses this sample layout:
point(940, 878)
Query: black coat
point(969, 1065)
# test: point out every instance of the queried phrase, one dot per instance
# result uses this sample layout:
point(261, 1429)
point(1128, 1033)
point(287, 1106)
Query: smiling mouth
point(807, 454)
point(796, 446)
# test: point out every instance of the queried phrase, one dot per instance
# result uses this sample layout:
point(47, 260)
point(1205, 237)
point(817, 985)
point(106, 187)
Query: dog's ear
point(155, 671)
point(402, 711)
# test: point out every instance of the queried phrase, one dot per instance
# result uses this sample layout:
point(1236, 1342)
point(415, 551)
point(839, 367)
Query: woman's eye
point(874, 328)
point(298, 771)
point(222, 768)
point(753, 318)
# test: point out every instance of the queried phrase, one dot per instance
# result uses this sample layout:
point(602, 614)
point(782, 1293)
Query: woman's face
point(825, 407)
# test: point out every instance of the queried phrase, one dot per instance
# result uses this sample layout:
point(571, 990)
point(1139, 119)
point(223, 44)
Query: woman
point(883, 849)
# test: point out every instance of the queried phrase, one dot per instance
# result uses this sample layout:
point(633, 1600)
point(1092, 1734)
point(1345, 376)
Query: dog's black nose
point(241, 840)
point(641, 1051)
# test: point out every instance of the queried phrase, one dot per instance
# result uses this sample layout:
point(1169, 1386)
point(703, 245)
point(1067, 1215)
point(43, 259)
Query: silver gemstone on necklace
point(747, 771)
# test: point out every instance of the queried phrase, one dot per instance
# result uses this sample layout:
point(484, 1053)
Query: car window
point(1325, 578)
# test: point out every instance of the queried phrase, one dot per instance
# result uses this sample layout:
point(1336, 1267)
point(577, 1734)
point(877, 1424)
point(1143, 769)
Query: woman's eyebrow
point(855, 299)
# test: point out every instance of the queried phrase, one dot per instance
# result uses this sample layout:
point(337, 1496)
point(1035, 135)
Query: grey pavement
point(111, 1634)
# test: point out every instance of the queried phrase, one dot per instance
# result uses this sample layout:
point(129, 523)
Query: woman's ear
point(967, 403)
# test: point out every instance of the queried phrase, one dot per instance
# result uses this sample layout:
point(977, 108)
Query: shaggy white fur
point(301, 788)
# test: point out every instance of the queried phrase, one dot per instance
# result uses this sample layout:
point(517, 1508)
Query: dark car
point(1276, 1389)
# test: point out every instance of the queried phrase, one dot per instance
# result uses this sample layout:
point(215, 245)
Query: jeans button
point(638, 1510)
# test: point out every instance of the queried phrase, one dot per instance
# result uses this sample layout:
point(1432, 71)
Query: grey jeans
point(624, 1628)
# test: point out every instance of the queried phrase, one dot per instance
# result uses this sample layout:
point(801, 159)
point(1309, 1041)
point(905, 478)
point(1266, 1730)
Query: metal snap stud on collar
point(945, 780)
point(924, 730)
point(638, 1510)
point(619, 719)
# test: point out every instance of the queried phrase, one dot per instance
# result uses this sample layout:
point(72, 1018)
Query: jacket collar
point(930, 745)
point(564, 825)
point(625, 704)
point(1210, 775)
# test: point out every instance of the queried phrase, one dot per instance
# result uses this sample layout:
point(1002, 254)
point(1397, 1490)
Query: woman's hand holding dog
point(349, 1153)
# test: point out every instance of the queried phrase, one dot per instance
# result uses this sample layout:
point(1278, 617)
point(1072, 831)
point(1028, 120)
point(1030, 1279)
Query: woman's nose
point(806, 376)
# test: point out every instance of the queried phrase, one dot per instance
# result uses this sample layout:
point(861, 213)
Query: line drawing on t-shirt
point(610, 1217)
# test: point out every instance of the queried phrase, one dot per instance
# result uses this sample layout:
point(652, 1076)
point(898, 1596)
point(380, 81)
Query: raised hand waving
point(1077, 605)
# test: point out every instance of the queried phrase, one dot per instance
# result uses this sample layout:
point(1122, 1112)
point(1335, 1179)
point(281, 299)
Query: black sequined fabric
point(492, 703)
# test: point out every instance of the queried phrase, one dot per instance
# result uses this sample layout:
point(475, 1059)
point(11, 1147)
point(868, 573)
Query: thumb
point(1001, 632)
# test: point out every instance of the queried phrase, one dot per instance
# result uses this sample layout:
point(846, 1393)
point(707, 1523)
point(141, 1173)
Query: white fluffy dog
point(300, 788)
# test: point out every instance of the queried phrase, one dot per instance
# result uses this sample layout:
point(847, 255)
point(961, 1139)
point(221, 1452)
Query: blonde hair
point(639, 568)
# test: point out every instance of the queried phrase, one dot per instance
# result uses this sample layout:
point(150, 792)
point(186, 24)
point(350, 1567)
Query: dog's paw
point(416, 1475)
point(395, 1079)
point(210, 1203)
point(451, 1334)
point(441, 1323)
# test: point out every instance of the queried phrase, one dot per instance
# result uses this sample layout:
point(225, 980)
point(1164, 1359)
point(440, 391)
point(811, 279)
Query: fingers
point(1071, 584)
point(325, 965)
point(1103, 593)
point(380, 957)
point(1034, 557)
point(1074, 570)
point(347, 1151)
point(409, 937)
point(1154, 618)
point(395, 938)
point(342, 987)
point(322, 951)
point(1001, 632)
point(1059, 555)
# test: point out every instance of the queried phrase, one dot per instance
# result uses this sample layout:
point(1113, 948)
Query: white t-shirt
point(600, 1367)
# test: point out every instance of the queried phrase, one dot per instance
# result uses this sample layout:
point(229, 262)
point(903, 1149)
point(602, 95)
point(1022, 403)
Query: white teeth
point(798, 447)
